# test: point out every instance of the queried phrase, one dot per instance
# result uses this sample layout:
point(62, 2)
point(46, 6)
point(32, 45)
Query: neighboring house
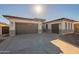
point(4, 28)
point(20, 25)
point(61, 26)
point(76, 27)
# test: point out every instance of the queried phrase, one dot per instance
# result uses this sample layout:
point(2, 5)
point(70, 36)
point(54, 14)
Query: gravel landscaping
point(71, 38)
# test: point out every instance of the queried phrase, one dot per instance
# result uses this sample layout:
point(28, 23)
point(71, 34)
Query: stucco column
point(0, 30)
point(40, 28)
point(12, 29)
point(49, 28)
point(63, 27)
point(73, 27)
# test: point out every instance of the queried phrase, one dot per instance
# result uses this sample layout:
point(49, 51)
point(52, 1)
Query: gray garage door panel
point(55, 28)
point(25, 28)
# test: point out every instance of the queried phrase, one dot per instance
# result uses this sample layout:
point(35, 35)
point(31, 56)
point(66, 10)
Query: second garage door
point(55, 28)
point(26, 28)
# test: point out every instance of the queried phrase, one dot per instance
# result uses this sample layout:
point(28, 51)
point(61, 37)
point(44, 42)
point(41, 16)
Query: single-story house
point(61, 26)
point(4, 28)
point(21, 25)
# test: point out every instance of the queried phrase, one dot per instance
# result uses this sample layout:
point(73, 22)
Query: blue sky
point(50, 11)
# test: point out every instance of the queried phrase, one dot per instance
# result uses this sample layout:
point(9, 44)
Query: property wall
point(12, 25)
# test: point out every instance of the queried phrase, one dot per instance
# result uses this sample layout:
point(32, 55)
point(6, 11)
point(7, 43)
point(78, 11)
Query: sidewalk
point(65, 47)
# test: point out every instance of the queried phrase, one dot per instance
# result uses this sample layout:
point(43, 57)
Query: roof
point(61, 19)
point(34, 19)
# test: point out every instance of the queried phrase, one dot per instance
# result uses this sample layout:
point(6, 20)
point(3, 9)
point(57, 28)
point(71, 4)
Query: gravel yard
point(71, 38)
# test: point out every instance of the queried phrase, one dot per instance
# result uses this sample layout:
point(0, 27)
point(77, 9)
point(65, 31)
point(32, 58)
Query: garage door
point(55, 28)
point(25, 28)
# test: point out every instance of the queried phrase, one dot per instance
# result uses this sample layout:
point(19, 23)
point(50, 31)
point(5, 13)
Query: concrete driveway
point(30, 44)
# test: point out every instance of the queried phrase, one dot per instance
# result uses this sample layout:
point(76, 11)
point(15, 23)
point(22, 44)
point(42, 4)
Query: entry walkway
point(65, 47)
